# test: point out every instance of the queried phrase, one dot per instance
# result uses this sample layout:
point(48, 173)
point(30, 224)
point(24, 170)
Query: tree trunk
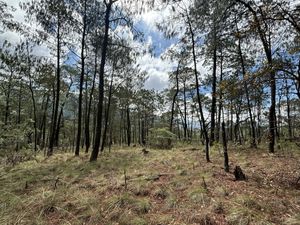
point(7, 102)
point(174, 98)
point(268, 53)
point(185, 112)
point(54, 121)
point(107, 113)
point(77, 149)
point(198, 92)
point(278, 125)
point(226, 160)
point(44, 123)
point(128, 126)
point(34, 112)
point(87, 122)
point(213, 95)
point(96, 146)
point(220, 100)
point(60, 116)
point(288, 110)
point(252, 123)
point(143, 135)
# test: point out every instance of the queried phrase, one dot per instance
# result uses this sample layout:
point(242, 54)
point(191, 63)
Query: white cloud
point(157, 81)
point(151, 18)
point(10, 36)
point(42, 51)
point(157, 70)
point(18, 14)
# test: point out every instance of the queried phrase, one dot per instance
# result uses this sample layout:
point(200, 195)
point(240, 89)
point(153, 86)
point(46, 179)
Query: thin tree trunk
point(185, 112)
point(198, 92)
point(214, 95)
point(87, 123)
point(77, 149)
point(226, 160)
point(34, 112)
point(60, 116)
point(268, 53)
point(174, 98)
point(44, 122)
point(7, 102)
point(128, 126)
point(288, 110)
point(54, 121)
point(19, 103)
point(278, 125)
point(107, 112)
point(252, 123)
point(220, 100)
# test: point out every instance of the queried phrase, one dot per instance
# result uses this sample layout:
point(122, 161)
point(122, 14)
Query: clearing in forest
point(127, 187)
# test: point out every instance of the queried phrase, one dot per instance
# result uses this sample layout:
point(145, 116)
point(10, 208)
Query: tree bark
point(174, 97)
point(44, 123)
point(60, 116)
point(220, 101)
point(128, 126)
point(107, 113)
point(289, 120)
point(34, 112)
point(96, 147)
point(252, 123)
point(268, 53)
point(7, 102)
point(226, 160)
point(79, 123)
point(55, 116)
point(198, 92)
point(87, 122)
point(213, 95)
point(185, 112)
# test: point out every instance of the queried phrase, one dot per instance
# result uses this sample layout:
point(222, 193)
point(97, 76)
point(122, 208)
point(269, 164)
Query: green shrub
point(161, 138)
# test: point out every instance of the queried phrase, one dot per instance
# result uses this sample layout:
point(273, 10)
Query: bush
point(161, 138)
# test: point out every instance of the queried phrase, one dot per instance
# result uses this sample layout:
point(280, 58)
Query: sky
point(152, 63)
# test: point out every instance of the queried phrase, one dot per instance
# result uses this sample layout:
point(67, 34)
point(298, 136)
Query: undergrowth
point(162, 187)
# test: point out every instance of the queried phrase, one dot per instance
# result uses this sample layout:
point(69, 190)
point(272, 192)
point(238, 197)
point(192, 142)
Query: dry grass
point(164, 187)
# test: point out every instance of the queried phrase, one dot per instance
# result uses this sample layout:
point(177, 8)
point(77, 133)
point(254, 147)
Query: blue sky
point(159, 43)
point(157, 68)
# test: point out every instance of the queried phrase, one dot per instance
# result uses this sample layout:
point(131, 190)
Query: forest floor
point(163, 187)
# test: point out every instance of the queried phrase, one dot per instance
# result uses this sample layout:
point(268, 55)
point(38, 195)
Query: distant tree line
point(89, 92)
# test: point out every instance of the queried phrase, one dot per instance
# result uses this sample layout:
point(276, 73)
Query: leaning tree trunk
point(198, 92)
point(268, 52)
point(60, 116)
point(252, 123)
